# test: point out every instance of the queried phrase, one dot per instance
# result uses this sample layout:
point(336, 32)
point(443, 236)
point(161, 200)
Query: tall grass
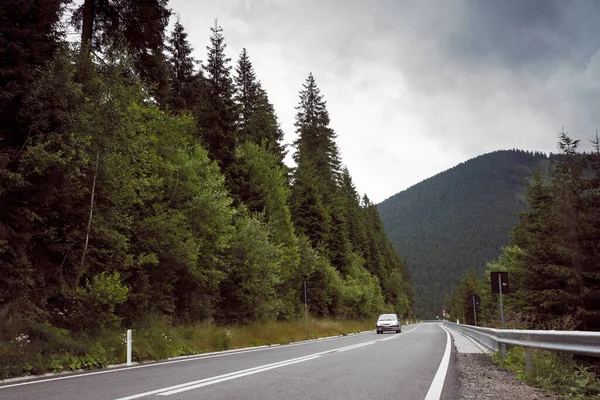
point(557, 373)
point(155, 338)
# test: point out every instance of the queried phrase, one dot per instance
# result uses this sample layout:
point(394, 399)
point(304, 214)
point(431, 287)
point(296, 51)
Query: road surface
point(364, 366)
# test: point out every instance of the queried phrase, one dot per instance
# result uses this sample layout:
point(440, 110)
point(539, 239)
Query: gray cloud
point(414, 87)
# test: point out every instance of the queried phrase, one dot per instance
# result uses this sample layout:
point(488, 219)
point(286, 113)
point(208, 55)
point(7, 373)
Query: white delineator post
point(129, 340)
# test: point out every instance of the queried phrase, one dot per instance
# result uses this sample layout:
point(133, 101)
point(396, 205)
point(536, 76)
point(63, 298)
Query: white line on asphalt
point(435, 390)
point(128, 368)
point(355, 346)
point(237, 374)
point(159, 363)
point(223, 378)
point(165, 389)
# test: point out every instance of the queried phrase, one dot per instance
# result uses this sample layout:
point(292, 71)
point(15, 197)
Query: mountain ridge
point(458, 218)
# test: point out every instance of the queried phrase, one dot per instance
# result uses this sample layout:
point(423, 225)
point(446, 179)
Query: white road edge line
point(219, 379)
point(435, 390)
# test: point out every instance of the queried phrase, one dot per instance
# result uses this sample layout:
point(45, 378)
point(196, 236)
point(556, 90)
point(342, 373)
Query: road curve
point(365, 366)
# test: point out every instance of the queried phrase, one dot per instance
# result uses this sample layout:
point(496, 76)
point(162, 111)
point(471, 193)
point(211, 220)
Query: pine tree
point(316, 203)
point(550, 233)
point(29, 40)
point(218, 113)
point(247, 87)
point(353, 213)
point(590, 242)
point(29, 36)
point(257, 121)
point(316, 140)
point(139, 25)
point(309, 212)
point(185, 82)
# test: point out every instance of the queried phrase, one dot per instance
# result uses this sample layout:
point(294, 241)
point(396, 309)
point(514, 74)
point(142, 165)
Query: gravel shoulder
point(481, 378)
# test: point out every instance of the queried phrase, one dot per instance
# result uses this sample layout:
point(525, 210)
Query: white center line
point(238, 374)
point(217, 379)
point(231, 374)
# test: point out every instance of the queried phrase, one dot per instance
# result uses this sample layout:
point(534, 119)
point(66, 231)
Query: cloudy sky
point(416, 87)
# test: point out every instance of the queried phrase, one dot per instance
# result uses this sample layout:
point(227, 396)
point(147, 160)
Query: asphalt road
point(364, 366)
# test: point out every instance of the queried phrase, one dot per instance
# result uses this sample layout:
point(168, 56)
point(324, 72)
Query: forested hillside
point(457, 219)
point(553, 256)
point(136, 181)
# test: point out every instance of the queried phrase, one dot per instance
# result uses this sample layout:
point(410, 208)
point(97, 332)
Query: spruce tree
point(185, 82)
point(316, 140)
point(29, 39)
point(315, 189)
point(139, 25)
point(218, 113)
point(257, 121)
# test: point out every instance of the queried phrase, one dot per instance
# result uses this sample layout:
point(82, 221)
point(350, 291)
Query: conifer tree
point(185, 82)
point(139, 25)
point(257, 121)
point(29, 39)
point(316, 201)
point(218, 113)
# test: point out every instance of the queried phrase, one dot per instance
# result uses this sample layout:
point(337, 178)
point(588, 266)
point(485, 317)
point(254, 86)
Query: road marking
point(354, 346)
point(238, 374)
point(245, 371)
point(219, 379)
point(159, 363)
point(129, 368)
point(435, 390)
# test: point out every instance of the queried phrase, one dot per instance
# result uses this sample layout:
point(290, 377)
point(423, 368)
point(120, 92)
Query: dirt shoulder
point(481, 378)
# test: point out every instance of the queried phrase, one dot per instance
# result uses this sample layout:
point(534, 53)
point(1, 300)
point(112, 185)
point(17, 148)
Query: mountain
point(457, 219)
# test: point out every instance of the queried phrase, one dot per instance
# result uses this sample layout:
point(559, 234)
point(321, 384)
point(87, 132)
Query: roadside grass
point(27, 350)
point(557, 373)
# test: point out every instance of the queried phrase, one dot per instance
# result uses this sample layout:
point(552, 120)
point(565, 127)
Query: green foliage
point(253, 272)
point(457, 219)
point(217, 114)
point(269, 197)
point(559, 234)
point(137, 192)
point(553, 372)
point(184, 83)
point(457, 303)
point(154, 338)
point(94, 305)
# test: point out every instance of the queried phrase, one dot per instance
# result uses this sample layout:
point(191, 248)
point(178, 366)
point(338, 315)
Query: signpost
point(305, 296)
point(475, 300)
point(499, 281)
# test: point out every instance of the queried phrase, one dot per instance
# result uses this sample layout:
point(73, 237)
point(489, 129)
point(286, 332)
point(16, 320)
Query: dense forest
point(458, 219)
point(553, 258)
point(136, 180)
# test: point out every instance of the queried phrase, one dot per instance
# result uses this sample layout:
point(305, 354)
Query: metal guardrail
point(576, 342)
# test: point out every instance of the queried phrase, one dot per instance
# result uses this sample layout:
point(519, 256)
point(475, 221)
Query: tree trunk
point(89, 224)
point(88, 25)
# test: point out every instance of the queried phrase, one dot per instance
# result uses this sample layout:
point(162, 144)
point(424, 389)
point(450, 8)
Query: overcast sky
point(416, 87)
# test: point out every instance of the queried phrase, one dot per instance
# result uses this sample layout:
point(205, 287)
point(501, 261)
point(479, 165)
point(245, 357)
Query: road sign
point(305, 294)
point(474, 299)
point(503, 277)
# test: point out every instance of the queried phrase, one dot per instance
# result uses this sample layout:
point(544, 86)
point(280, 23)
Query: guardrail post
point(528, 359)
point(129, 340)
